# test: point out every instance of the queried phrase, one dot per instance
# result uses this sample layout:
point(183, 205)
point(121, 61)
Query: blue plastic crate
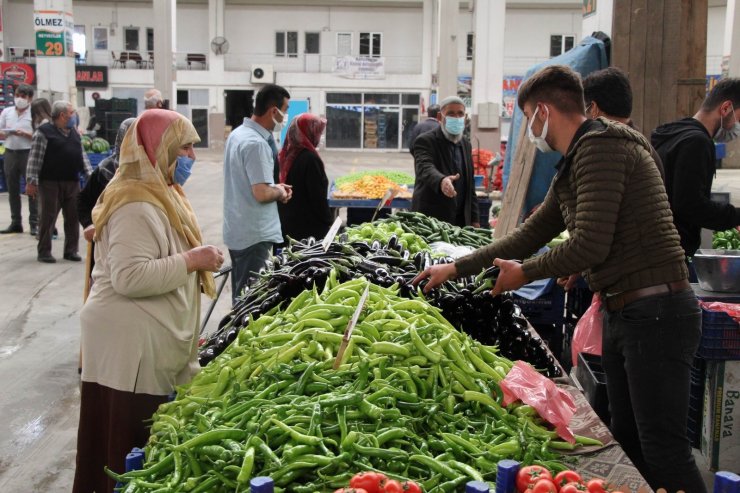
point(95, 157)
point(720, 336)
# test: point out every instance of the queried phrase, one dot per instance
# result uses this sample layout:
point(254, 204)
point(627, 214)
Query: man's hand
point(568, 282)
point(89, 232)
point(475, 225)
point(437, 274)
point(510, 277)
point(447, 185)
point(32, 190)
point(286, 192)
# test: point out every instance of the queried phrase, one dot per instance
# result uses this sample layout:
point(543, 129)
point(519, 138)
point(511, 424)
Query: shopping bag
point(587, 335)
point(553, 404)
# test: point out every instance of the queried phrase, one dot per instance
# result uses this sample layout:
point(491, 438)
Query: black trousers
point(55, 196)
point(648, 350)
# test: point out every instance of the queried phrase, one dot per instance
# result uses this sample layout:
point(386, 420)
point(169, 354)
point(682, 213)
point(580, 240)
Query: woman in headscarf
point(98, 181)
point(140, 322)
point(308, 213)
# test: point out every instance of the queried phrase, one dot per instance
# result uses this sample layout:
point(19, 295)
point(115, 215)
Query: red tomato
point(368, 481)
point(350, 490)
point(391, 486)
point(530, 474)
point(597, 486)
point(542, 486)
point(573, 487)
point(564, 477)
point(410, 487)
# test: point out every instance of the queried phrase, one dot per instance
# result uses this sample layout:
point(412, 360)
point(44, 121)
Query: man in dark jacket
point(55, 162)
point(429, 124)
point(687, 150)
point(444, 187)
point(609, 195)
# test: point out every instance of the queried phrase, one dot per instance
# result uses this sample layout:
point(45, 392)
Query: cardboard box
point(720, 439)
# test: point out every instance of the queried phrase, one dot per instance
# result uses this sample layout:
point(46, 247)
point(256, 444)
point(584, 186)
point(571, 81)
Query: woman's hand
point(207, 257)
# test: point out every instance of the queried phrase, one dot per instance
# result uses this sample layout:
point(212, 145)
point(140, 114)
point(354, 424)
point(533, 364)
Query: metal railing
point(145, 60)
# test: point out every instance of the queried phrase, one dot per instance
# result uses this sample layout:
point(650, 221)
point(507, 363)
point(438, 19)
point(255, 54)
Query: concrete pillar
point(55, 64)
point(447, 73)
point(488, 73)
point(165, 48)
point(216, 67)
point(732, 38)
point(427, 48)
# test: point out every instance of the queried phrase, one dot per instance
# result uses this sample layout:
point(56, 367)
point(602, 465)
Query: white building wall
point(528, 31)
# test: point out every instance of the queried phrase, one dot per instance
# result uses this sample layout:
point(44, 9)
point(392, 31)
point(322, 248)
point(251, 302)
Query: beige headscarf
point(147, 165)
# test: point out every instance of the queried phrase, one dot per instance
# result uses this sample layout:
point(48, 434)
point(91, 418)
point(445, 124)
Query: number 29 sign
point(53, 33)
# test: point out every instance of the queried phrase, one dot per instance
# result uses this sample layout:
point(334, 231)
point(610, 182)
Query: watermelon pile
point(96, 145)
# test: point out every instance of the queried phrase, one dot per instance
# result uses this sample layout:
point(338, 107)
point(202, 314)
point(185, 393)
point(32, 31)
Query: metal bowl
point(718, 270)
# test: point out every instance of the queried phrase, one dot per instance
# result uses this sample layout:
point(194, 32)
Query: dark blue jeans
point(648, 349)
point(246, 264)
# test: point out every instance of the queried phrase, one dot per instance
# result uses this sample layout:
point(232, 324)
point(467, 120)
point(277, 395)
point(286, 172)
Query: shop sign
point(20, 72)
point(511, 86)
point(712, 81)
point(360, 67)
point(589, 7)
point(53, 33)
point(91, 76)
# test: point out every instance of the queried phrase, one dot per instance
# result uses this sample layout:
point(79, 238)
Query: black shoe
point(13, 228)
point(34, 231)
point(72, 256)
point(47, 259)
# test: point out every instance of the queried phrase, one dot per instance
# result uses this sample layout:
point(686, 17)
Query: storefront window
point(343, 130)
point(370, 120)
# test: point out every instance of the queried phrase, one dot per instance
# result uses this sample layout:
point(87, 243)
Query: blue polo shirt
point(248, 161)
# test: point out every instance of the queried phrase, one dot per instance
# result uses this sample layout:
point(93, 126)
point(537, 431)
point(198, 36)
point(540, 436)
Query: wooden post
point(516, 190)
point(661, 45)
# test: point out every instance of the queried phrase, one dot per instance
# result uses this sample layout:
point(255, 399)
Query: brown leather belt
point(619, 301)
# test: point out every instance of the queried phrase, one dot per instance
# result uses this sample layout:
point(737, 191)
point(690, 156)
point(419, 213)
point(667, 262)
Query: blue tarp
point(589, 56)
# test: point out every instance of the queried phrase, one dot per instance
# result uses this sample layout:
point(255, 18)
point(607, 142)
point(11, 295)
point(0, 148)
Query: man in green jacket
point(609, 195)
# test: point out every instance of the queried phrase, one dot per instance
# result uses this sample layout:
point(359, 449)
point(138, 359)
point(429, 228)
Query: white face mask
point(540, 141)
point(727, 134)
point(21, 103)
point(278, 125)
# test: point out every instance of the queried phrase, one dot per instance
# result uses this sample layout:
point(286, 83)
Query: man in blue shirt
point(251, 220)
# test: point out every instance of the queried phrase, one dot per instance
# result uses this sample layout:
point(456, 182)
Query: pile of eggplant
point(466, 302)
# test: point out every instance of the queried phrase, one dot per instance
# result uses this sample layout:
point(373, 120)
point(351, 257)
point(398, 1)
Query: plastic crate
point(95, 157)
point(546, 310)
point(696, 402)
point(591, 376)
point(720, 336)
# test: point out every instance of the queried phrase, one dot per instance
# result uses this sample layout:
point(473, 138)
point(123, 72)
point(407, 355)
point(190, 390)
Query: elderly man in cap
point(443, 163)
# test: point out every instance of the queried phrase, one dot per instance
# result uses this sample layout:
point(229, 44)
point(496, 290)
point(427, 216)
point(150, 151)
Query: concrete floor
point(39, 329)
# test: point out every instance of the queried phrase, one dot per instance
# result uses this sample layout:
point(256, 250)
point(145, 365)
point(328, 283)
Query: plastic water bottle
point(506, 476)
point(261, 484)
point(726, 482)
point(477, 487)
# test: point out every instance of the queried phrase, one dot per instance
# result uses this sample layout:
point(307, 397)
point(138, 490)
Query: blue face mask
point(454, 126)
point(183, 169)
point(73, 121)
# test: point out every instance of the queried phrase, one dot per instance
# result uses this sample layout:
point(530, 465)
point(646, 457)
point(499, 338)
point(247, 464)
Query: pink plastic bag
point(554, 405)
point(587, 335)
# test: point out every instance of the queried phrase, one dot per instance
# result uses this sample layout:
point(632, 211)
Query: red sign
point(91, 76)
point(21, 72)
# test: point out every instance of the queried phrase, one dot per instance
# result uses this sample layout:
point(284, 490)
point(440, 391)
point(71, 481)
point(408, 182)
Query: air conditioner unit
point(262, 74)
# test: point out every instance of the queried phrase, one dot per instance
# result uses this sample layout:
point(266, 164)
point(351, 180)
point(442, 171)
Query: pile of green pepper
point(726, 240)
point(385, 232)
point(412, 397)
point(432, 229)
